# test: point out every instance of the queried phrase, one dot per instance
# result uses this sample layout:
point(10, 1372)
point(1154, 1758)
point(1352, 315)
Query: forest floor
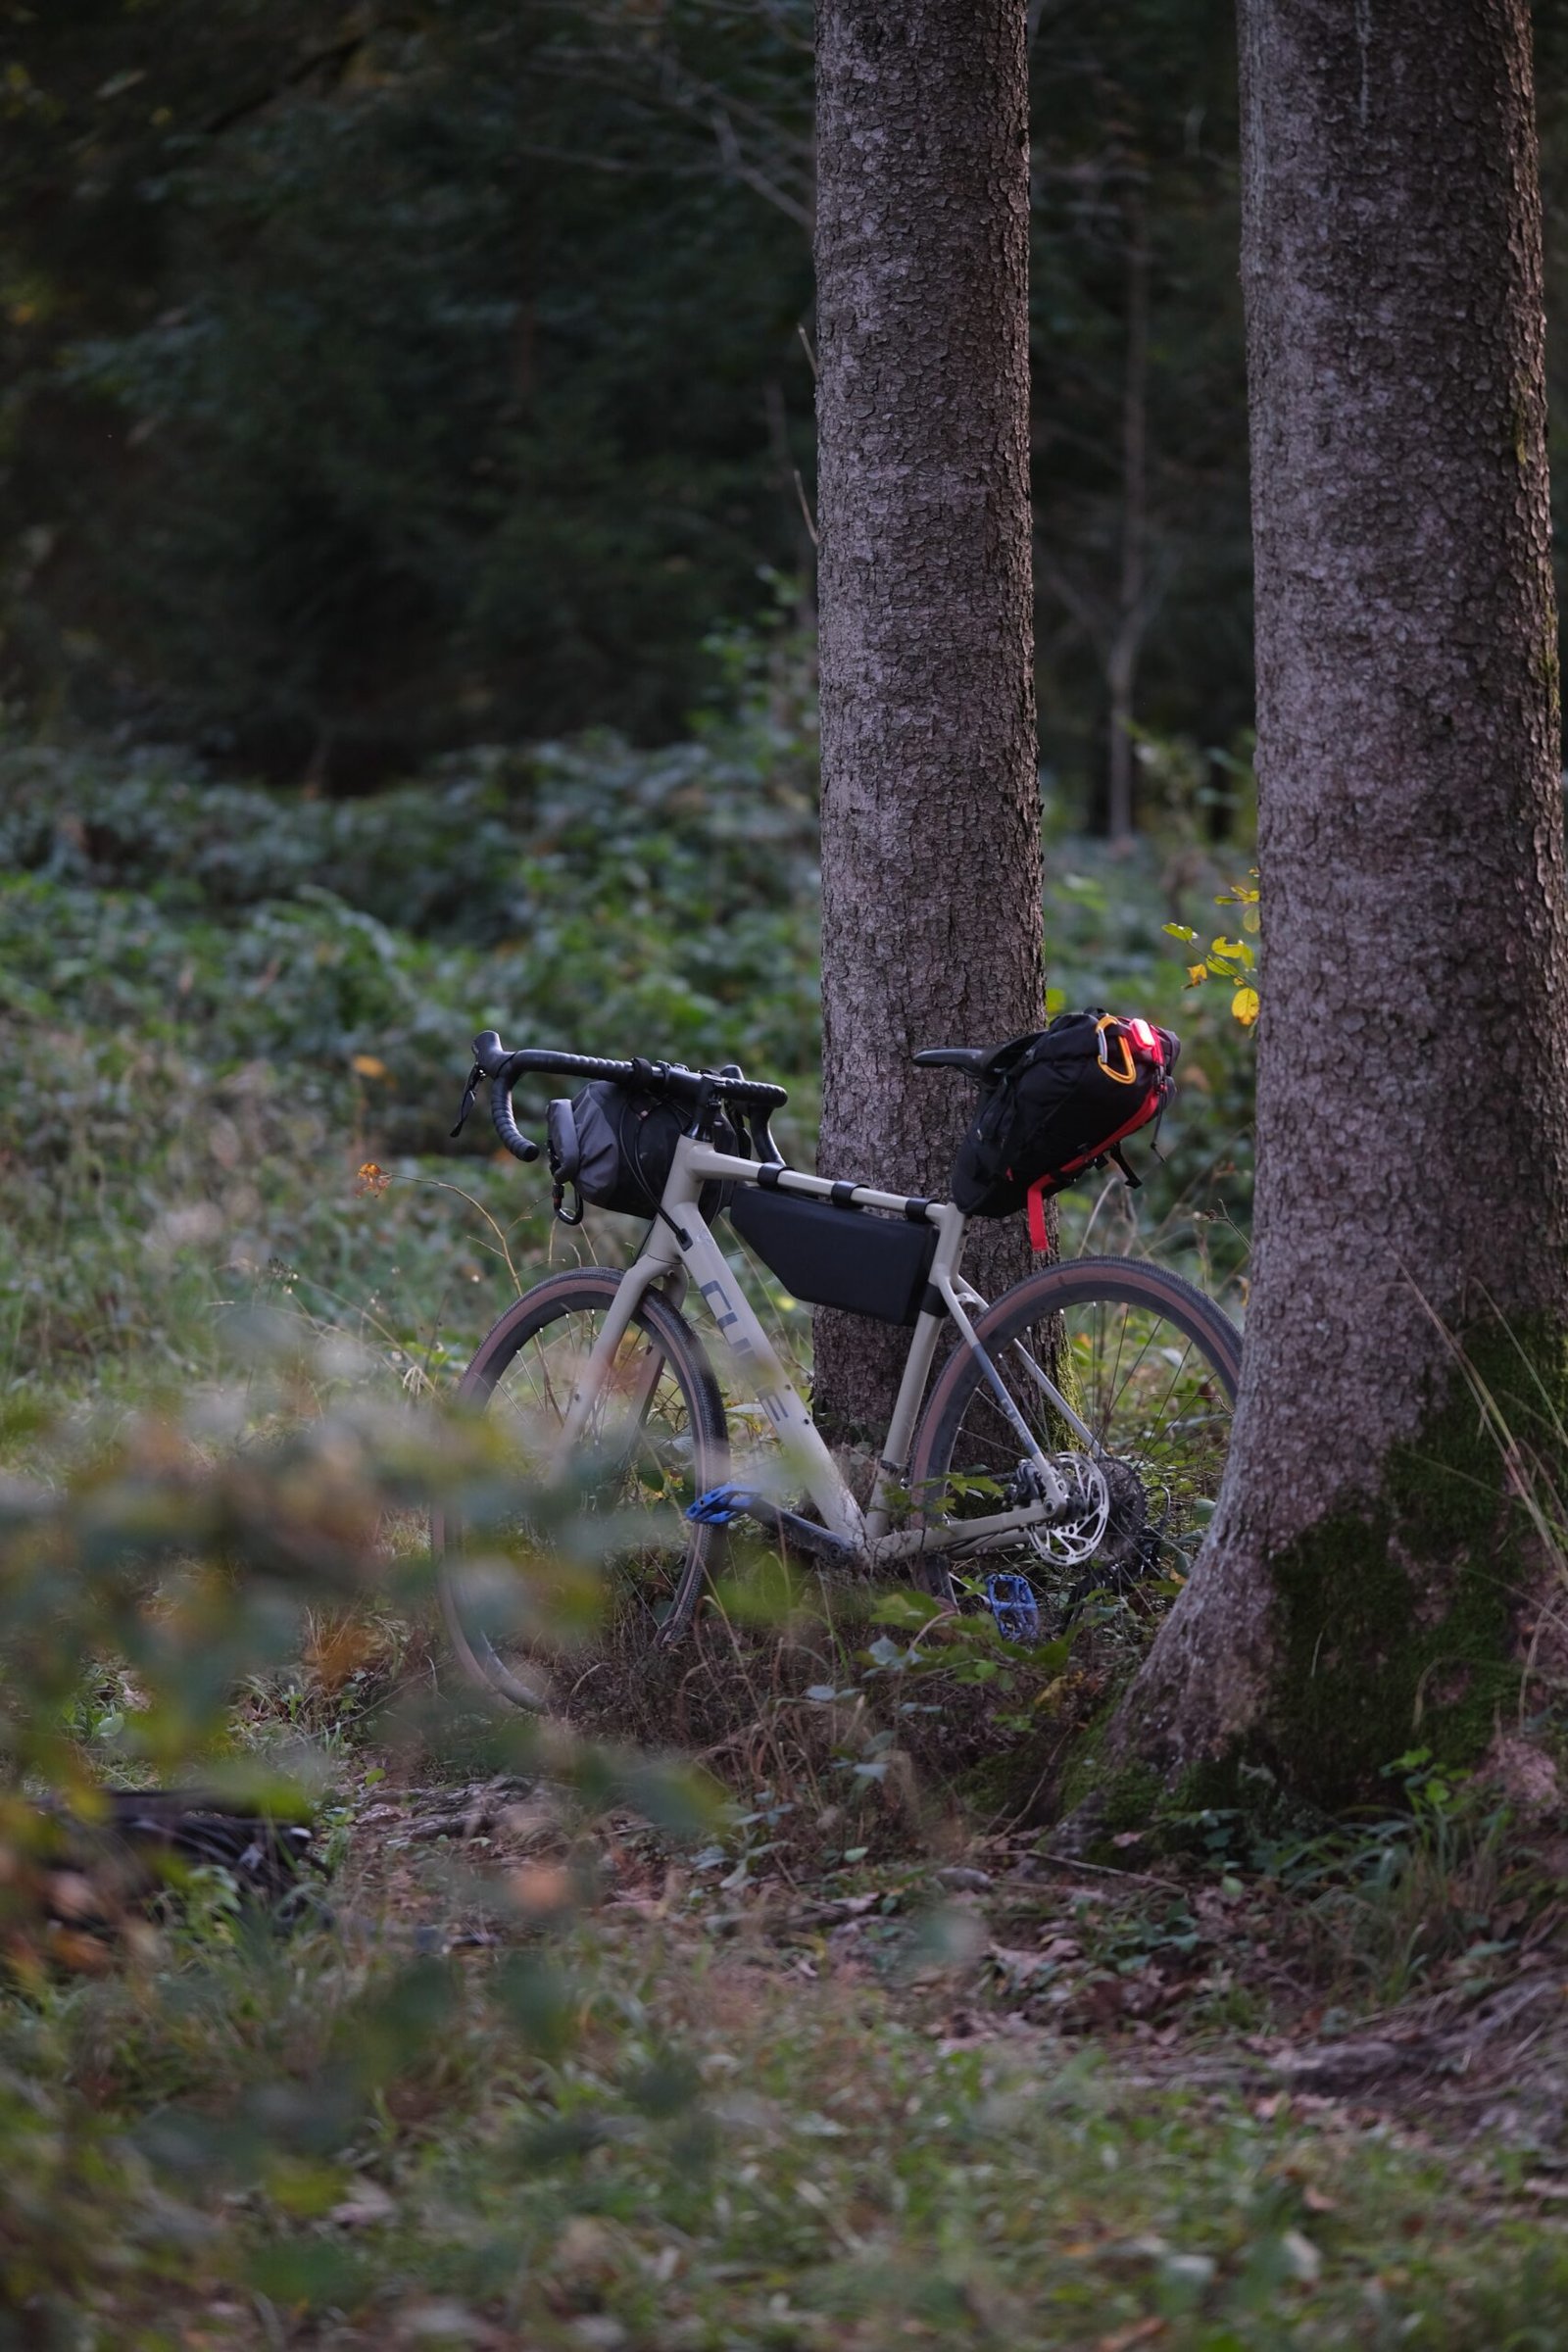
point(1184, 1974)
point(994, 2095)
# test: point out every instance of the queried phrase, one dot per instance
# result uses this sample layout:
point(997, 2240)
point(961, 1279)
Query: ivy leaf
point(1244, 1004)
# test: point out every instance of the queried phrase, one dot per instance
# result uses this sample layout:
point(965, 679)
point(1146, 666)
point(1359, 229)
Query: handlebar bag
point(1055, 1104)
point(616, 1144)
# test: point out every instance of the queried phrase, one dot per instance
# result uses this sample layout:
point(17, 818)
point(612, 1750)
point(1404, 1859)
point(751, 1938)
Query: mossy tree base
point(1400, 1617)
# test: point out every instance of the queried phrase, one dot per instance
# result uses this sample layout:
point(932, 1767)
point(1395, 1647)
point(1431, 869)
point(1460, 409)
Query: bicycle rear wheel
point(653, 1440)
point(1148, 1364)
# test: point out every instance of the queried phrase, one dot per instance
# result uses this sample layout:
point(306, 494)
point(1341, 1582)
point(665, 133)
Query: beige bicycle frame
point(681, 1240)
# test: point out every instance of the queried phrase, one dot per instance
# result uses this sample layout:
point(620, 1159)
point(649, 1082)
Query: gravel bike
point(1077, 1426)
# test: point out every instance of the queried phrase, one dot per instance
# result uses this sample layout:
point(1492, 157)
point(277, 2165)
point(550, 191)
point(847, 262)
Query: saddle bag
point(1056, 1103)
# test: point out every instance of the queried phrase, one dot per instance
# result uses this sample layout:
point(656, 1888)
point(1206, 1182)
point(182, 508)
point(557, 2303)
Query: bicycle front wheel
point(1148, 1366)
point(653, 1440)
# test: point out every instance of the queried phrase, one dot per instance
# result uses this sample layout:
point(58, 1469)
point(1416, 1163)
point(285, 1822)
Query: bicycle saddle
point(969, 1058)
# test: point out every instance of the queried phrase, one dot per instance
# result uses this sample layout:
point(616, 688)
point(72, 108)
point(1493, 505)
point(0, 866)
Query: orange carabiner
point(1123, 1077)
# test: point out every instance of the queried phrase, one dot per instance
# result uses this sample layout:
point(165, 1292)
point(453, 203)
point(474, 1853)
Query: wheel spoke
point(1132, 1351)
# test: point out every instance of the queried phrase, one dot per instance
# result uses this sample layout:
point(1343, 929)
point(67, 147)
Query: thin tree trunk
point(931, 914)
point(1365, 1573)
point(1121, 668)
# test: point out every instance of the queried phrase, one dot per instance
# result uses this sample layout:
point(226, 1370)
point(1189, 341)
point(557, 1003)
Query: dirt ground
point(1176, 1974)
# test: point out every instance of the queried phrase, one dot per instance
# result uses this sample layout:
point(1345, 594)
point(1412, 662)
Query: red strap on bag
point(1044, 1186)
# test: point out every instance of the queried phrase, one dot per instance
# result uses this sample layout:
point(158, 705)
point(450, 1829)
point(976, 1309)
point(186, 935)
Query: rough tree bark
point(1132, 614)
point(1366, 1576)
point(931, 914)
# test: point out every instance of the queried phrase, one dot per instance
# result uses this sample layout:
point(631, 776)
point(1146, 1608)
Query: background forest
point(384, 380)
point(406, 625)
point(407, 579)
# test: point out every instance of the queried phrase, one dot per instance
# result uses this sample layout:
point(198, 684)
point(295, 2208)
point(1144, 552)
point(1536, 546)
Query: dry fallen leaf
point(542, 1889)
point(366, 2204)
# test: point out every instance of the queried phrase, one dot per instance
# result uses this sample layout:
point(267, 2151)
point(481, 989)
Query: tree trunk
point(1132, 614)
point(931, 917)
point(1366, 1573)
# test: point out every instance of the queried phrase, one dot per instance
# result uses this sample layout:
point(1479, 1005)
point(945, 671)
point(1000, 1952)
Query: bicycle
point(1078, 1425)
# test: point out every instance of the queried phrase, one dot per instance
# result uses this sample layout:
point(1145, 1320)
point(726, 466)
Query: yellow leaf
point(372, 1179)
point(369, 1067)
point(1244, 1006)
point(1197, 974)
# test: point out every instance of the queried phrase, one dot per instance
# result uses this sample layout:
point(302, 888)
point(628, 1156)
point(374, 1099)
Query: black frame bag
point(1055, 1104)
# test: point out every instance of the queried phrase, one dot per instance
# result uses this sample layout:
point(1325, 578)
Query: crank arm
point(724, 1505)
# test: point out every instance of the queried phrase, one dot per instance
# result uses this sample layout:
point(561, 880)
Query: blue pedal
point(1012, 1604)
point(719, 1506)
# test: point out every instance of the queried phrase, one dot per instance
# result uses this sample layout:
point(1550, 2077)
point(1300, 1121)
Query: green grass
point(747, 2082)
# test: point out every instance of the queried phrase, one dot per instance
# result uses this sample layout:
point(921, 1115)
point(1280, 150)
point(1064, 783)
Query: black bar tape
point(506, 1126)
point(495, 1061)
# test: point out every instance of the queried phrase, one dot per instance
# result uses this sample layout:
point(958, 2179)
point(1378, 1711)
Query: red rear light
point(1146, 1039)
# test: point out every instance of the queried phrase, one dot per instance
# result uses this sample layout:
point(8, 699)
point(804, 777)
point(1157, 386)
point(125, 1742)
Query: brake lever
point(469, 1092)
